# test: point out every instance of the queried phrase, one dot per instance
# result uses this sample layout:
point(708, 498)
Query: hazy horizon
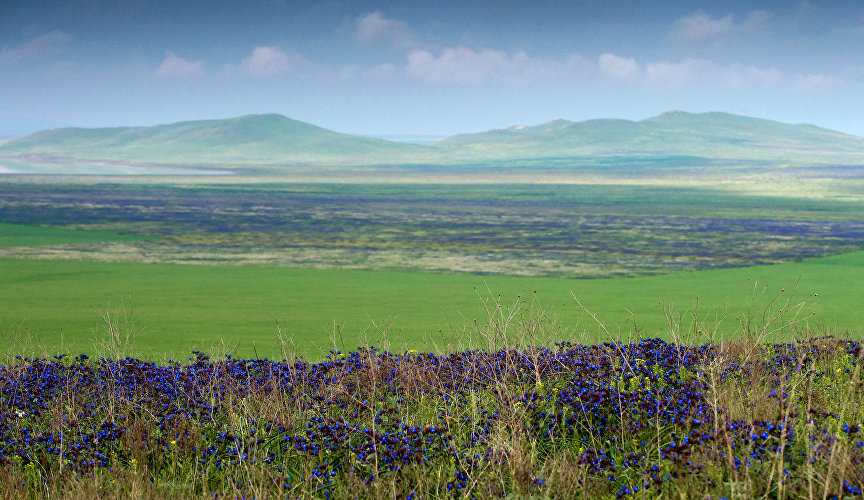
point(408, 69)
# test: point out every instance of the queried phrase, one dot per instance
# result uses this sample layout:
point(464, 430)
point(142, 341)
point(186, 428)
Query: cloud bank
point(375, 28)
point(173, 66)
point(700, 26)
point(618, 67)
point(42, 47)
point(267, 62)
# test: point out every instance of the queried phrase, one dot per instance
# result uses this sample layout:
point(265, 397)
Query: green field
point(215, 266)
point(180, 307)
point(20, 235)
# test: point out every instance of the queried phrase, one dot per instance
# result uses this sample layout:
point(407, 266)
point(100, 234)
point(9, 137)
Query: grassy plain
point(19, 235)
point(410, 255)
point(575, 231)
point(180, 307)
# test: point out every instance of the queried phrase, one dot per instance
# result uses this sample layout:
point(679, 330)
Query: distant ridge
point(269, 138)
point(273, 140)
point(674, 132)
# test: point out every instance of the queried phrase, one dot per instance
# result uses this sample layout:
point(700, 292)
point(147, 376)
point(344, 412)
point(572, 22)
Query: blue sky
point(428, 68)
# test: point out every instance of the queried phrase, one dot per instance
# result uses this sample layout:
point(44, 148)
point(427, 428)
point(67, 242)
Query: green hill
point(715, 135)
point(270, 139)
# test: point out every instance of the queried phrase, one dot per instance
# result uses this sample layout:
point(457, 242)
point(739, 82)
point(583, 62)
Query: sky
point(406, 68)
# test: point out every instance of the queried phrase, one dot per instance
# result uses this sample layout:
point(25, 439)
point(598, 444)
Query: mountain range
point(274, 139)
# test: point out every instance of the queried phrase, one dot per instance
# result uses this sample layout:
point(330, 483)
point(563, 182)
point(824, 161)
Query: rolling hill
point(269, 138)
point(715, 135)
point(275, 140)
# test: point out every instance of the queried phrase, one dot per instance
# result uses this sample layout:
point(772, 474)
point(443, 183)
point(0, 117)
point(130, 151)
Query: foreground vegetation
point(510, 413)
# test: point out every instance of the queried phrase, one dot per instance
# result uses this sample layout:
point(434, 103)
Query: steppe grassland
point(492, 421)
point(180, 307)
point(538, 231)
point(576, 231)
point(17, 235)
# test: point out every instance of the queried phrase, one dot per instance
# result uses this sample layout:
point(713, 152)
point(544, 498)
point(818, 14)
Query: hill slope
point(718, 135)
point(267, 138)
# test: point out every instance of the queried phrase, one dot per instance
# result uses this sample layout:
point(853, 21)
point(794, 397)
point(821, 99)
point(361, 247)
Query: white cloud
point(619, 67)
point(814, 83)
point(380, 71)
point(174, 66)
point(749, 76)
point(47, 45)
point(700, 26)
point(675, 74)
point(464, 65)
point(701, 72)
point(271, 61)
point(375, 27)
point(457, 65)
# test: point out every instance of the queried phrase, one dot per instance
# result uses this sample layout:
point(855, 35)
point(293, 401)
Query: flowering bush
point(739, 419)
